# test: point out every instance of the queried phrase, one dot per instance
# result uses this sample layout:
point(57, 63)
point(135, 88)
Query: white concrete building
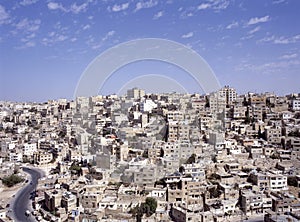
point(278, 182)
point(196, 170)
point(147, 106)
point(229, 93)
point(29, 148)
point(135, 93)
point(296, 104)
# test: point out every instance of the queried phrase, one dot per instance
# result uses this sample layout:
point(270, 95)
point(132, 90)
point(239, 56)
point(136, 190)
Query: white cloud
point(284, 40)
point(247, 37)
point(86, 27)
point(289, 56)
point(158, 15)
point(187, 35)
point(28, 25)
point(54, 37)
point(96, 45)
point(281, 40)
point(51, 34)
point(108, 35)
point(74, 8)
point(56, 6)
point(256, 20)
point(27, 41)
point(4, 16)
point(252, 31)
point(216, 5)
point(61, 38)
point(232, 25)
point(145, 4)
point(118, 8)
point(28, 2)
point(267, 39)
point(28, 37)
point(28, 44)
point(220, 4)
point(283, 64)
point(78, 8)
point(270, 67)
point(278, 1)
point(203, 6)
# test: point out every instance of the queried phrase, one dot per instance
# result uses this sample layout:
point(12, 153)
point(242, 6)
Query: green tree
point(191, 159)
point(292, 181)
point(145, 154)
point(76, 168)
point(275, 155)
point(162, 152)
point(294, 133)
point(148, 207)
point(214, 192)
point(12, 180)
point(181, 169)
point(152, 203)
point(134, 211)
point(297, 115)
point(160, 182)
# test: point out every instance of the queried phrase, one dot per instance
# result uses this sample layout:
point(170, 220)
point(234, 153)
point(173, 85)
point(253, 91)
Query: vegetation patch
point(12, 180)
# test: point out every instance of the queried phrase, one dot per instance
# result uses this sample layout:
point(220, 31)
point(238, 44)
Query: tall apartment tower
point(135, 93)
point(229, 94)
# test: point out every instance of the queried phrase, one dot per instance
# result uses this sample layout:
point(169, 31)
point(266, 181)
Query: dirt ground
point(294, 190)
point(8, 193)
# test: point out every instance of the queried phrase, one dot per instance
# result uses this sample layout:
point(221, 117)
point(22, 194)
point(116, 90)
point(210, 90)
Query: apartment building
point(229, 94)
point(252, 202)
point(90, 200)
point(270, 181)
point(296, 104)
point(42, 157)
point(52, 199)
point(273, 134)
point(278, 182)
point(283, 201)
point(68, 201)
point(135, 93)
point(195, 170)
point(29, 149)
point(217, 103)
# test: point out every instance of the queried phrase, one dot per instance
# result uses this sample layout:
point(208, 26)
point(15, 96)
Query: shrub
point(12, 180)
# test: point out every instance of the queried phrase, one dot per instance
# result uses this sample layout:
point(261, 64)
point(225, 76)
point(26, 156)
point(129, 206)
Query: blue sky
point(45, 46)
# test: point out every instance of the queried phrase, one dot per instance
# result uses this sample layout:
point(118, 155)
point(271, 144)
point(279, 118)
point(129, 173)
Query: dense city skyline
point(46, 45)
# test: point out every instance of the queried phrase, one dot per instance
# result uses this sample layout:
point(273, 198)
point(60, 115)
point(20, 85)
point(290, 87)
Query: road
point(22, 201)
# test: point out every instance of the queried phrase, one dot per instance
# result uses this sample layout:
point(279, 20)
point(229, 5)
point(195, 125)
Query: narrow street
point(22, 202)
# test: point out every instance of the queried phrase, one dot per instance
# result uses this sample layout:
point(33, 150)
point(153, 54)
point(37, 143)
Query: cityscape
point(152, 157)
point(149, 111)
